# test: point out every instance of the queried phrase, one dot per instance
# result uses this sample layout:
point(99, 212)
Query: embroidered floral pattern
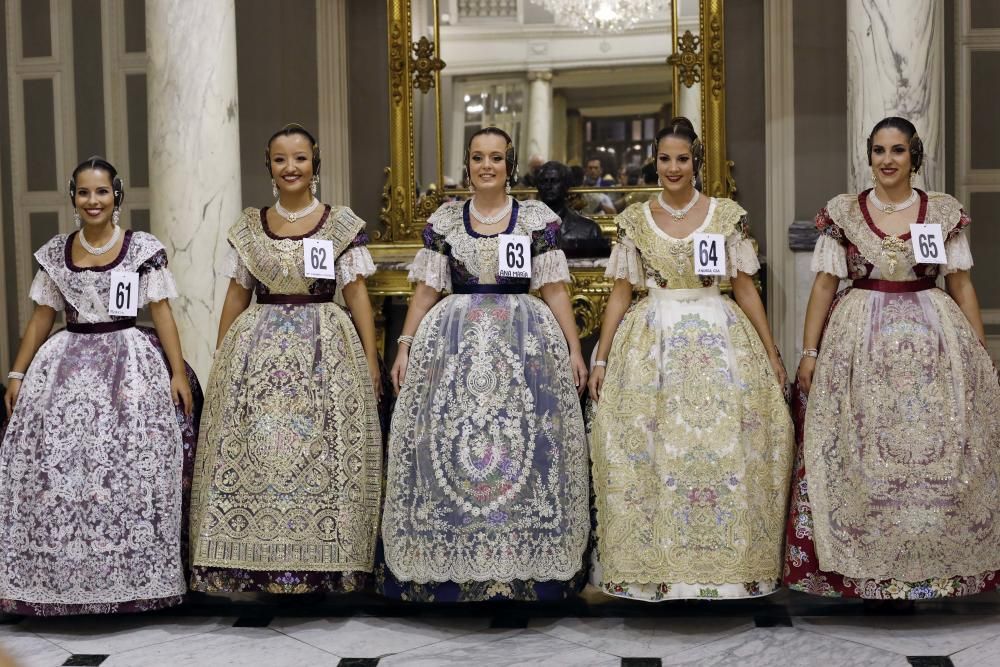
point(691, 442)
point(288, 476)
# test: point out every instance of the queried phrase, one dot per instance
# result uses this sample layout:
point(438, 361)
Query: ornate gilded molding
point(397, 61)
point(718, 181)
point(686, 59)
point(425, 65)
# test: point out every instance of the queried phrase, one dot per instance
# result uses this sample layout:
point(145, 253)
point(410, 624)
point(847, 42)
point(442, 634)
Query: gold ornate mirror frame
point(415, 70)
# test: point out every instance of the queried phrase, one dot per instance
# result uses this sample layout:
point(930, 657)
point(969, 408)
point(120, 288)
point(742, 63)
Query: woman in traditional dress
point(92, 502)
point(486, 497)
point(288, 476)
point(896, 492)
point(691, 441)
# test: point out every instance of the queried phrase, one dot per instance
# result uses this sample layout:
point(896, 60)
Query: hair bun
point(682, 121)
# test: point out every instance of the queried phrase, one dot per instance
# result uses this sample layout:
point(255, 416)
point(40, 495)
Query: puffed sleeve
point(156, 283)
point(625, 262)
point(956, 247)
point(44, 291)
point(355, 262)
point(830, 253)
point(233, 267)
point(430, 266)
point(548, 262)
point(741, 255)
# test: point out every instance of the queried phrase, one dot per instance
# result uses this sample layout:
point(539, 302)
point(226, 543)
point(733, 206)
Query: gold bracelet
point(810, 352)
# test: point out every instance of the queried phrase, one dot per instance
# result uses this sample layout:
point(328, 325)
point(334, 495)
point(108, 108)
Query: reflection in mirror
point(591, 100)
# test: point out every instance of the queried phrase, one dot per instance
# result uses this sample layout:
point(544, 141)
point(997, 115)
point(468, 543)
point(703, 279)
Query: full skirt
point(691, 446)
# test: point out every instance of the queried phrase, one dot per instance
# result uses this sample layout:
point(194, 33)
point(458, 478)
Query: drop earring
point(874, 179)
point(274, 189)
point(913, 175)
point(314, 184)
point(694, 181)
point(507, 188)
point(116, 215)
point(76, 218)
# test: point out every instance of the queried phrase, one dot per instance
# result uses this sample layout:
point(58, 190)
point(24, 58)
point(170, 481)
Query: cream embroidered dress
point(691, 441)
point(92, 463)
point(288, 477)
point(897, 490)
point(487, 493)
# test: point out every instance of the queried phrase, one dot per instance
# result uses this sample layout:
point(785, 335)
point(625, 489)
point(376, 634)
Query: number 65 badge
point(318, 258)
point(928, 244)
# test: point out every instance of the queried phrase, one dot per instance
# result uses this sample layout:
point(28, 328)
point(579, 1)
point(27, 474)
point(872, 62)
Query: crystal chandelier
point(602, 15)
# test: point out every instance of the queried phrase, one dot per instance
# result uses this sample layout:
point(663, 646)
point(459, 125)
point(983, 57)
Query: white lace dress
point(487, 490)
point(91, 461)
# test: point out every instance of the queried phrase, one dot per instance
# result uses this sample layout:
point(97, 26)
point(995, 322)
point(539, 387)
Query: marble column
point(194, 156)
point(689, 105)
point(895, 67)
point(540, 114)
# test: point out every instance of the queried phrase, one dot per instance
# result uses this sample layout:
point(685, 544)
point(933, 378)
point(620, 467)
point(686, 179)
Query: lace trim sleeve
point(156, 285)
point(233, 267)
point(432, 268)
point(549, 267)
point(355, 262)
point(829, 256)
point(625, 262)
point(44, 292)
point(741, 256)
point(959, 254)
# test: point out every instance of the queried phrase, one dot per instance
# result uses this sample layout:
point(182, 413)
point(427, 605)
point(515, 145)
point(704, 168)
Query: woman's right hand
point(807, 366)
point(398, 372)
point(10, 396)
point(596, 382)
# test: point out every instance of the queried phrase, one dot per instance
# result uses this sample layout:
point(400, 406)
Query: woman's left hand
point(376, 375)
point(180, 391)
point(778, 367)
point(579, 371)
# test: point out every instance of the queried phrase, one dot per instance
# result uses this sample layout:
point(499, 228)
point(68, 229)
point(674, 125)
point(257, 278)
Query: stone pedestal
point(895, 67)
point(194, 156)
point(540, 114)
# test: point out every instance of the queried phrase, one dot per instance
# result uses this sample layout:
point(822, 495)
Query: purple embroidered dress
point(91, 482)
point(487, 484)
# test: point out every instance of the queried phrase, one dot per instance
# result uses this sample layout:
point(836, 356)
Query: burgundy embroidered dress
point(487, 482)
point(289, 474)
point(92, 486)
point(896, 493)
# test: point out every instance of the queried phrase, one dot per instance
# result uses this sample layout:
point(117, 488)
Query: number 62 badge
point(318, 258)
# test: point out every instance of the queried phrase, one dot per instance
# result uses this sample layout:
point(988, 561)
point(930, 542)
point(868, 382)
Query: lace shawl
point(86, 291)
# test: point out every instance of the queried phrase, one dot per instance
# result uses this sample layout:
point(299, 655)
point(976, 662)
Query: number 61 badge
point(123, 301)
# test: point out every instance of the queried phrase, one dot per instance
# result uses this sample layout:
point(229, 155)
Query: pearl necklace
point(496, 217)
point(890, 207)
point(292, 216)
point(678, 214)
point(104, 248)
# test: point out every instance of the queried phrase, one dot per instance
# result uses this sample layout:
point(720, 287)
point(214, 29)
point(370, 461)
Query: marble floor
point(784, 629)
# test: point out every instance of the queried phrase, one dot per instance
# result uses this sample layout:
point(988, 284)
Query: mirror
point(587, 98)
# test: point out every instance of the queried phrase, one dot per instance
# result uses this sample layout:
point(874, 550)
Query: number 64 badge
point(928, 244)
point(123, 301)
point(318, 258)
point(709, 254)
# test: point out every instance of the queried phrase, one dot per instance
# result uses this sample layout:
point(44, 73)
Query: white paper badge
point(124, 298)
point(515, 256)
point(318, 258)
point(710, 254)
point(928, 244)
